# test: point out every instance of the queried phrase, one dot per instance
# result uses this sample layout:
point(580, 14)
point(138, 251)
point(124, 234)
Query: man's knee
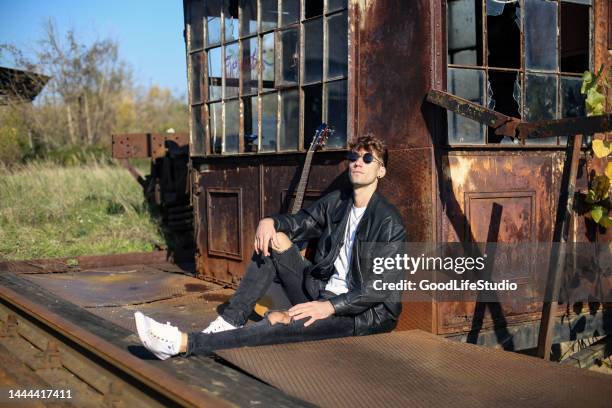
point(283, 242)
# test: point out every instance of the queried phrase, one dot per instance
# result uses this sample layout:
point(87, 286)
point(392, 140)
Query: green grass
point(48, 211)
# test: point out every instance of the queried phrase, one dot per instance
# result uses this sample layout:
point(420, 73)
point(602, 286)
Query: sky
point(149, 32)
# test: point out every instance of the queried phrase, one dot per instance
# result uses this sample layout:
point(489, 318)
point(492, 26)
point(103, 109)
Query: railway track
point(41, 350)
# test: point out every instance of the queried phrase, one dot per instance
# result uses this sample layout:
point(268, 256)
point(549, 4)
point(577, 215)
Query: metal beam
point(516, 128)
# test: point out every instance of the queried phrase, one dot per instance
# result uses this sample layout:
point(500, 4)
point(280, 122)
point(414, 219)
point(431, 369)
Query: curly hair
point(372, 144)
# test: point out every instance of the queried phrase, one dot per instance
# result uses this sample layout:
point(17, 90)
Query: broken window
point(264, 65)
point(575, 36)
point(504, 93)
point(313, 8)
point(534, 53)
point(503, 35)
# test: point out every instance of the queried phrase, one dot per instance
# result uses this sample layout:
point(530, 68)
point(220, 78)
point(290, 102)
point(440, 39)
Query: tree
point(78, 106)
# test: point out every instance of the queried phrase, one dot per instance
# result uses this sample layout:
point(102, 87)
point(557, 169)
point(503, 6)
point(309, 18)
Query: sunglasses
point(367, 158)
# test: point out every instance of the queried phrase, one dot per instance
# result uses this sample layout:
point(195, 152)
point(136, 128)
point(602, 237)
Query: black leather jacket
point(326, 220)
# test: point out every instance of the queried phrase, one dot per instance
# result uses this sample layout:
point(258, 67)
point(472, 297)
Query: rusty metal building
point(264, 73)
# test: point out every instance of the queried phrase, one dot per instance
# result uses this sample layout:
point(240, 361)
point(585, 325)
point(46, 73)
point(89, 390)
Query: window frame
point(522, 72)
point(206, 148)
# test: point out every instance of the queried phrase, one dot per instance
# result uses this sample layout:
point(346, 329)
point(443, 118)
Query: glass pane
point(267, 61)
point(250, 56)
point(290, 58)
point(575, 29)
point(541, 35)
point(313, 50)
point(337, 113)
point(290, 120)
point(248, 18)
point(269, 14)
point(290, 12)
point(230, 14)
point(232, 127)
point(540, 102)
point(215, 70)
point(212, 12)
point(251, 131)
point(467, 84)
point(572, 101)
point(196, 77)
point(196, 24)
point(216, 127)
point(336, 4)
point(232, 70)
point(504, 97)
point(313, 112)
point(338, 45)
point(269, 111)
point(313, 8)
point(198, 129)
point(504, 35)
point(464, 23)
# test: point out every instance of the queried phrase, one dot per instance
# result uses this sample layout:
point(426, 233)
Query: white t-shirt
point(337, 283)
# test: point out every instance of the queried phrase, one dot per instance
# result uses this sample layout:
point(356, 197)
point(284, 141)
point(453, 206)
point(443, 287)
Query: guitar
point(318, 141)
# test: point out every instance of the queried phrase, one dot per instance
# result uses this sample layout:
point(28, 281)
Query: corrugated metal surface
point(418, 369)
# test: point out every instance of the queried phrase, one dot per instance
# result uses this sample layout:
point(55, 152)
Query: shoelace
point(160, 338)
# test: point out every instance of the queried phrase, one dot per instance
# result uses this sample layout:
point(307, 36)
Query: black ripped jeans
point(288, 267)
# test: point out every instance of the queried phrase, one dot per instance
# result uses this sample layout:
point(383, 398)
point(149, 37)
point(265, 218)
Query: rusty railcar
point(263, 73)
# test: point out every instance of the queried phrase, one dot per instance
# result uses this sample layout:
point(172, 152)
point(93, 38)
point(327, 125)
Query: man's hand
point(316, 310)
point(264, 234)
point(279, 317)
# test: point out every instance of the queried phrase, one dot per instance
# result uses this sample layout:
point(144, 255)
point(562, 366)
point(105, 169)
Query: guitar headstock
point(320, 137)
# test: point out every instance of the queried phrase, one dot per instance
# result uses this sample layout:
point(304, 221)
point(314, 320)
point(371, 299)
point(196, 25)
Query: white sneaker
point(163, 340)
point(219, 325)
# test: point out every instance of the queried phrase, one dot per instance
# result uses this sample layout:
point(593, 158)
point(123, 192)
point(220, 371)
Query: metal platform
point(418, 369)
point(398, 369)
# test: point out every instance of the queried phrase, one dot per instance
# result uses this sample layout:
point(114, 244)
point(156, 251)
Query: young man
point(331, 297)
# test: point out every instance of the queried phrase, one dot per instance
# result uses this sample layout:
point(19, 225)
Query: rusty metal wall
point(233, 195)
point(393, 71)
point(396, 55)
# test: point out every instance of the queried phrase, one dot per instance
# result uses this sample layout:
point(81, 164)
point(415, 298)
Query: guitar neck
point(301, 189)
